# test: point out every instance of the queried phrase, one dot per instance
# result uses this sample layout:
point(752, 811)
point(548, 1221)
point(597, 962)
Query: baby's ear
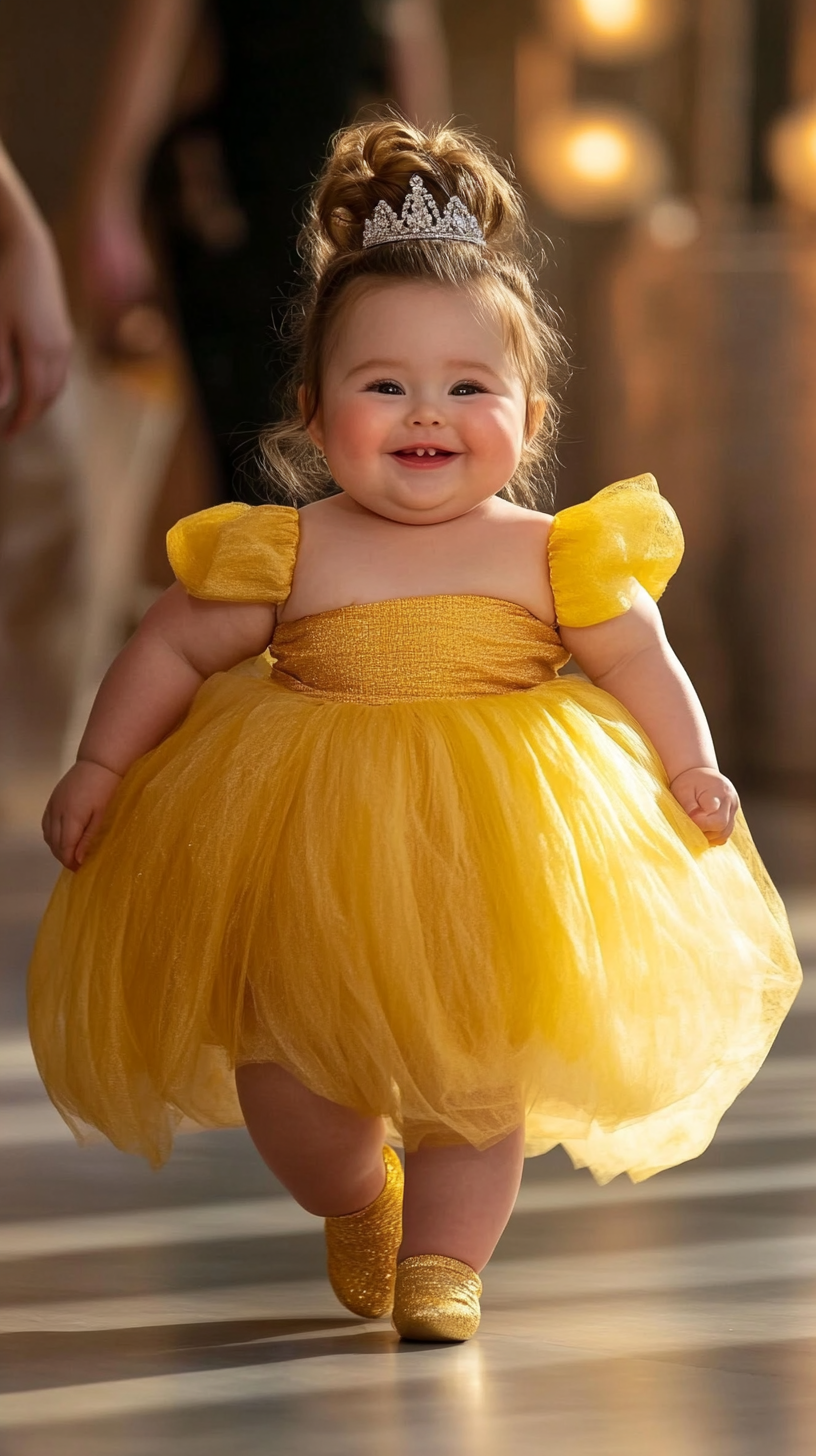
point(536, 410)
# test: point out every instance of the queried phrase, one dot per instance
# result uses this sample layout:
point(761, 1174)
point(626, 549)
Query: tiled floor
point(187, 1311)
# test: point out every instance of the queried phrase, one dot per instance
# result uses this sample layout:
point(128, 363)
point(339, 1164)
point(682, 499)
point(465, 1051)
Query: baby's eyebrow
point(473, 364)
point(397, 364)
point(375, 364)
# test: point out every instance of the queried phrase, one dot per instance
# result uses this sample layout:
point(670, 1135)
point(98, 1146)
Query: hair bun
point(377, 160)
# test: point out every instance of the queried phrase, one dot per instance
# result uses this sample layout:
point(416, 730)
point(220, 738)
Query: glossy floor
point(188, 1311)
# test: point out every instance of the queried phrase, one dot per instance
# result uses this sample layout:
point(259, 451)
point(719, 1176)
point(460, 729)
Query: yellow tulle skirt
point(461, 915)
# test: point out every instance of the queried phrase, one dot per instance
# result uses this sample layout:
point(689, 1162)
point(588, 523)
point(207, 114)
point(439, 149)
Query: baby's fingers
point(716, 825)
point(687, 799)
point(710, 802)
point(87, 837)
point(70, 834)
point(53, 832)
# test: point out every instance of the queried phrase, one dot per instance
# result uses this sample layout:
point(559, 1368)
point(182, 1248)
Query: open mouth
point(425, 456)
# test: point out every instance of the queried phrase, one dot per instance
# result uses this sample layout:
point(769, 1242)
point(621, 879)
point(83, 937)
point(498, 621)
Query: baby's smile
point(424, 457)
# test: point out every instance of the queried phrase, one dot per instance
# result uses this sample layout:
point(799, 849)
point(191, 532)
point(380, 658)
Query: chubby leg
point(332, 1161)
point(458, 1200)
point(329, 1157)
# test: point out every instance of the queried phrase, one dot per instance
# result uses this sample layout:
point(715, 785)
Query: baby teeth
point(425, 452)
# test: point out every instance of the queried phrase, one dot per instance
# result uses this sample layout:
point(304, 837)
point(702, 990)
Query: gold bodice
point(600, 553)
point(409, 648)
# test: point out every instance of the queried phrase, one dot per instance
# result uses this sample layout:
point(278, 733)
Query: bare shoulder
point(522, 516)
point(315, 515)
point(518, 555)
point(316, 510)
point(521, 522)
point(323, 519)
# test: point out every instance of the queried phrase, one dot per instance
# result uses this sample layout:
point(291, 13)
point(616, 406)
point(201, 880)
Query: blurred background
point(668, 152)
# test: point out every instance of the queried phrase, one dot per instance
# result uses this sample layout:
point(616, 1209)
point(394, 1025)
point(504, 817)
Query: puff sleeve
point(235, 552)
point(601, 549)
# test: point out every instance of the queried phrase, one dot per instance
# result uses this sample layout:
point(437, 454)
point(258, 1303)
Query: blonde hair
point(374, 161)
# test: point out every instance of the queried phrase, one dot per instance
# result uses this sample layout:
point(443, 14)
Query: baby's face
point(423, 411)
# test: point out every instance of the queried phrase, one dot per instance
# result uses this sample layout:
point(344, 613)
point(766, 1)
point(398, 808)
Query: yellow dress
point(423, 872)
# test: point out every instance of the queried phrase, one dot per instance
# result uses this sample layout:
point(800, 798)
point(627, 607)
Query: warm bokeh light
point(593, 163)
point(613, 17)
point(614, 32)
point(597, 153)
point(792, 155)
point(673, 223)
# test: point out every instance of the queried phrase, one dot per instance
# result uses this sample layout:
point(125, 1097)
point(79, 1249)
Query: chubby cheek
point(493, 432)
point(354, 430)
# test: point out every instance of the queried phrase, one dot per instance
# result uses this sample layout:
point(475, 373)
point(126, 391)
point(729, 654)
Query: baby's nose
point(427, 413)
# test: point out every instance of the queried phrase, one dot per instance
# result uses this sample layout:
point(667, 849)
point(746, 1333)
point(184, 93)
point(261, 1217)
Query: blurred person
point(35, 329)
point(37, 517)
point(218, 114)
point(407, 872)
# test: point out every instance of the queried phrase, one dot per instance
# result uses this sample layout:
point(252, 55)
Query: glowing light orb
point(596, 163)
point(615, 32)
point(597, 153)
point(792, 155)
point(613, 17)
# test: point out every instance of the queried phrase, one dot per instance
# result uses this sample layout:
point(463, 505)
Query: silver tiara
point(421, 219)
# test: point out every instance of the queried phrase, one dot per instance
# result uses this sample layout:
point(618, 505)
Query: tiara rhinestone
point(421, 219)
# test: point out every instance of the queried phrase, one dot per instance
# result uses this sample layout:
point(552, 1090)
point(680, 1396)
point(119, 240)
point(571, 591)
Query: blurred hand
point(115, 266)
point(709, 799)
point(35, 330)
point(75, 810)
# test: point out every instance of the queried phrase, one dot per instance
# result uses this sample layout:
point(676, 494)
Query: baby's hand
point(709, 799)
point(74, 811)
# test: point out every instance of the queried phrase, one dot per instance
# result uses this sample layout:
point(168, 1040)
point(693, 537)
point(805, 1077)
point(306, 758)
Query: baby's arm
point(145, 693)
point(630, 657)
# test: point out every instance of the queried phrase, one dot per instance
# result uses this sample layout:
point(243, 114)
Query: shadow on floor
point(32, 1360)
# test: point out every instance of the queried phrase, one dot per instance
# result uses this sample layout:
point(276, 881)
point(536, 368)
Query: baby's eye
point(468, 386)
point(385, 386)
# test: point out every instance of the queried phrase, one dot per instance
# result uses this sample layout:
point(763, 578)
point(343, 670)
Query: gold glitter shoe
point(436, 1298)
point(362, 1247)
